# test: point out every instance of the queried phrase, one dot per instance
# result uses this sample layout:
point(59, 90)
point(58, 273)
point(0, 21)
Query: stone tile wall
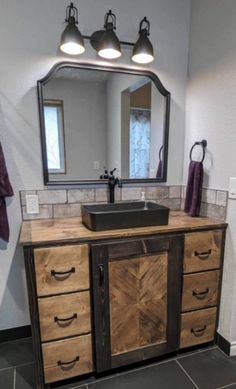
point(59, 203)
point(214, 202)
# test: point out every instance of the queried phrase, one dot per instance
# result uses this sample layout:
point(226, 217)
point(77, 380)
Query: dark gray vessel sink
point(99, 217)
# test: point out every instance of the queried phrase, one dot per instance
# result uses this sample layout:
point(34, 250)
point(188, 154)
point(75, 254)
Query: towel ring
point(161, 149)
point(203, 143)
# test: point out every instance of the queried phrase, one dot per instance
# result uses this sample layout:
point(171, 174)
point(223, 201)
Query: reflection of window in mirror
point(136, 129)
point(54, 129)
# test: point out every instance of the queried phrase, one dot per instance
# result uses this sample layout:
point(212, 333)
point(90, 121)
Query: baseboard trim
point(233, 349)
point(225, 345)
point(15, 333)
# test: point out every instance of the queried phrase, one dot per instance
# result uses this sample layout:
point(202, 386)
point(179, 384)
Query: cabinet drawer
point(65, 315)
point(200, 290)
point(197, 327)
point(202, 251)
point(67, 358)
point(61, 269)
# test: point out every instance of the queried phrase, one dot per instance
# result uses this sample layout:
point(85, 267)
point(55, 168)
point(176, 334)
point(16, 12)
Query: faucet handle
point(112, 171)
point(105, 175)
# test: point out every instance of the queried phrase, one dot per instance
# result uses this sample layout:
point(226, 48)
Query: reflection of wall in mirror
point(115, 85)
point(119, 87)
point(118, 119)
point(85, 126)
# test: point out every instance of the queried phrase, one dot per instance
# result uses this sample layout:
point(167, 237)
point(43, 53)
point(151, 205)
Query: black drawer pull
point(55, 273)
point(57, 319)
point(199, 331)
point(60, 363)
point(203, 255)
point(200, 295)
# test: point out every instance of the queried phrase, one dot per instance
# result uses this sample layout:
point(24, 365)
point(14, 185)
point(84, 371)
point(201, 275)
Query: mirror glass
point(95, 118)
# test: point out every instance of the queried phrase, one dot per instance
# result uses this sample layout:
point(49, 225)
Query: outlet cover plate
point(232, 187)
point(32, 204)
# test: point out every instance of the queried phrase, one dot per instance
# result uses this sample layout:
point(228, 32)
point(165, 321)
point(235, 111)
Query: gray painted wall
point(211, 102)
point(28, 50)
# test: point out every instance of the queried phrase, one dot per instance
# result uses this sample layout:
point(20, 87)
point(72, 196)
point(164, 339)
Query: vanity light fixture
point(105, 42)
point(71, 40)
point(143, 50)
point(109, 45)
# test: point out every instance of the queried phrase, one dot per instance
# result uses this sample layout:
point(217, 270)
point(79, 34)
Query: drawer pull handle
point(57, 319)
point(55, 273)
point(60, 363)
point(203, 255)
point(200, 295)
point(199, 331)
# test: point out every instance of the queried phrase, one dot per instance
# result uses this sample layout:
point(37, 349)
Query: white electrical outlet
point(232, 188)
point(32, 204)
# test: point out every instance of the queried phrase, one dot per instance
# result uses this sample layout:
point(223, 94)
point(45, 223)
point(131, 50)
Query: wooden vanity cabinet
point(114, 298)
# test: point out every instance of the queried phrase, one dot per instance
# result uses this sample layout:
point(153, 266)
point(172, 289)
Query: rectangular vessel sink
point(99, 217)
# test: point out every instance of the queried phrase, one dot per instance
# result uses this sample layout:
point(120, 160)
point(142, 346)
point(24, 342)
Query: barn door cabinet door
point(136, 296)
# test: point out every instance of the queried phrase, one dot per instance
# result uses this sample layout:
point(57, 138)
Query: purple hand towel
point(159, 169)
point(194, 188)
point(5, 190)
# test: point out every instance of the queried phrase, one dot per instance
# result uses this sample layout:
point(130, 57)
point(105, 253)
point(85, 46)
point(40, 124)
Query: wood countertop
point(46, 231)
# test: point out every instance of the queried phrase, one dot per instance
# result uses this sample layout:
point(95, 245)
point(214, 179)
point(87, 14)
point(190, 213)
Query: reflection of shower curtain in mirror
point(140, 131)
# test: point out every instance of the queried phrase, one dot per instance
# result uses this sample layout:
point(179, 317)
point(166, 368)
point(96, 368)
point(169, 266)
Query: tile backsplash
point(59, 203)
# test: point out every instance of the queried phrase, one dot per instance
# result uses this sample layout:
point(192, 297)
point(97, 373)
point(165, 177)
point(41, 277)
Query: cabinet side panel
point(34, 315)
point(101, 313)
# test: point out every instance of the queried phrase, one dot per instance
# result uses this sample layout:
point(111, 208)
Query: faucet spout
point(112, 181)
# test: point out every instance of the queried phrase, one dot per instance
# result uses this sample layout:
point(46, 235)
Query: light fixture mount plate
point(95, 38)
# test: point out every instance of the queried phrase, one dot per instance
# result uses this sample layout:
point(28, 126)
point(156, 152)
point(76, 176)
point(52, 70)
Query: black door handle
point(101, 274)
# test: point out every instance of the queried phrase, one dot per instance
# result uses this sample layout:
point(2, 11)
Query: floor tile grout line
point(227, 356)
point(226, 386)
point(147, 366)
point(16, 366)
point(129, 371)
point(7, 368)
point(196, 352)
point(102, 379)
point(14, 378)
point(185, 372)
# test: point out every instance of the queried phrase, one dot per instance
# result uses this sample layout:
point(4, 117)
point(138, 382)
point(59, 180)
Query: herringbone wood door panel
point(138, 302)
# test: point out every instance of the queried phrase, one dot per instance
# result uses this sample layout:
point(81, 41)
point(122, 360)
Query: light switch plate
point(32, 204)
point(96, 165)
point(232, 187)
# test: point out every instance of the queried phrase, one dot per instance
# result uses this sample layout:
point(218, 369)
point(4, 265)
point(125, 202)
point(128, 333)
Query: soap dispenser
point(142, 196)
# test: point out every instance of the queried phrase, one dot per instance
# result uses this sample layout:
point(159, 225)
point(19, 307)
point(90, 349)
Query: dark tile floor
point(205, 368)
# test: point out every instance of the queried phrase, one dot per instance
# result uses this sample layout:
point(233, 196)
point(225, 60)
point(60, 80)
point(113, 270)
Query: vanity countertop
point(46, 231)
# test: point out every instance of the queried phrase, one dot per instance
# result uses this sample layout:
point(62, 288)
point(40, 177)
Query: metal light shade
point(109, 45)
point(143, 50)
point(71, 40)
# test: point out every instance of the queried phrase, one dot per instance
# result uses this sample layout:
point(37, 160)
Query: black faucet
point(112, 182)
